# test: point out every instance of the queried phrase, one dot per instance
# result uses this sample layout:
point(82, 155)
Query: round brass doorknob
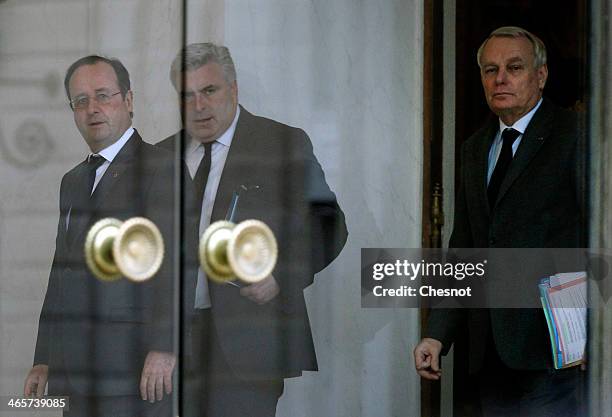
point(247, 251)
point(133, 249)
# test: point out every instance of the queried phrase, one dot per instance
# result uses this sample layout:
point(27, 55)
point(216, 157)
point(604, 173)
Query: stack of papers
point(564, 298)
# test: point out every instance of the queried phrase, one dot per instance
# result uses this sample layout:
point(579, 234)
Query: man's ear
point(129, 97)
point(542, 74)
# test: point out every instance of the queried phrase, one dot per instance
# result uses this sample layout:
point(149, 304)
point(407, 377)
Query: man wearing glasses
point(107, 345)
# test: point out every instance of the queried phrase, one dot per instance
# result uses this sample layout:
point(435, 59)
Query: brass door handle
point(133, 249)
point(247, 251)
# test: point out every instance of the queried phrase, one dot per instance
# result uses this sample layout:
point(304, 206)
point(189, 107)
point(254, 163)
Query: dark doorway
point(563, 27)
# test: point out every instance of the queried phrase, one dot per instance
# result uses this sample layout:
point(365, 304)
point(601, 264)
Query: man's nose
point(200, 102)
point(501, 76)
point(92, 106)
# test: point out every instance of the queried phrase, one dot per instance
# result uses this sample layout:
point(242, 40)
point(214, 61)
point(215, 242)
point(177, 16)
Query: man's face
point(209, 102)
point(512, 84)
point(101, 124)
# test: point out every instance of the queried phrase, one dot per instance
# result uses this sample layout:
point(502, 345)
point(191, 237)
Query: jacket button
point(492, 241)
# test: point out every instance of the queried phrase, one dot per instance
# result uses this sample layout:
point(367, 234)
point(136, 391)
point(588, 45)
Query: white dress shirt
point(194, 153)
point(520, 125)
point(109, 153)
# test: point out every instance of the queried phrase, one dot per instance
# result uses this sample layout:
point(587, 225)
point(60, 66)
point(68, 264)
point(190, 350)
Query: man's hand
point(156, 376)
point(36, 381)
point(261, 292)
point(427, 358)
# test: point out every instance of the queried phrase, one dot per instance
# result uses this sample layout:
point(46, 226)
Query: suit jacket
point(539, 206)
point(281, 183)
point(95, 335)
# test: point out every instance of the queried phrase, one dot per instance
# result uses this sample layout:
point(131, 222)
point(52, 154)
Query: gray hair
point(196, 55)
point(539, 49)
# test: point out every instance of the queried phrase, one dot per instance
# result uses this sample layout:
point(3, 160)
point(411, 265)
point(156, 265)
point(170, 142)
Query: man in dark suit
point(519, 189)
point(107, 344)
point(250, 338)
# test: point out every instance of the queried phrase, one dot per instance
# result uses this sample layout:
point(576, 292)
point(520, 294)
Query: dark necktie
point(509, 135)
point(93, 163)
point(201, 176)
point(81, 204)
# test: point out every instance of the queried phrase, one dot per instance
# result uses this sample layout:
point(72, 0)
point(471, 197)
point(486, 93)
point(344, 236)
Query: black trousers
point(212, 389)
point(106, 406)
point(505, 392)
point(117, 406)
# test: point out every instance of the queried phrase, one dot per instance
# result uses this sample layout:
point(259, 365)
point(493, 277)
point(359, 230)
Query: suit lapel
point(482, 164)
point(113, 173)
point(70, 215)
point(537, 131)
point(117, 168)
point(234, 174)
point(234, 169)
point(477, 157)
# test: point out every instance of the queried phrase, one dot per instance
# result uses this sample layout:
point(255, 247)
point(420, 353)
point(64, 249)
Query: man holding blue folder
point(520, 188)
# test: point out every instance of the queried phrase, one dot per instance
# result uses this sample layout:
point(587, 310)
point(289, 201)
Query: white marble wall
point(347, 72)
point(39, 142)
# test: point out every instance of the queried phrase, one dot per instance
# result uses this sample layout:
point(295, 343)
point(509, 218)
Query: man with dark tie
point(247, 338)
point(519, 188)
point(107, 345)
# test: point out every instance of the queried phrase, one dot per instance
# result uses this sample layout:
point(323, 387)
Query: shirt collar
point(522, 123)
point(109, 153)
point(225, 139)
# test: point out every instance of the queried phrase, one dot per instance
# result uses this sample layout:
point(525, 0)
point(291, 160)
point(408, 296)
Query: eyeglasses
point(82, 102)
